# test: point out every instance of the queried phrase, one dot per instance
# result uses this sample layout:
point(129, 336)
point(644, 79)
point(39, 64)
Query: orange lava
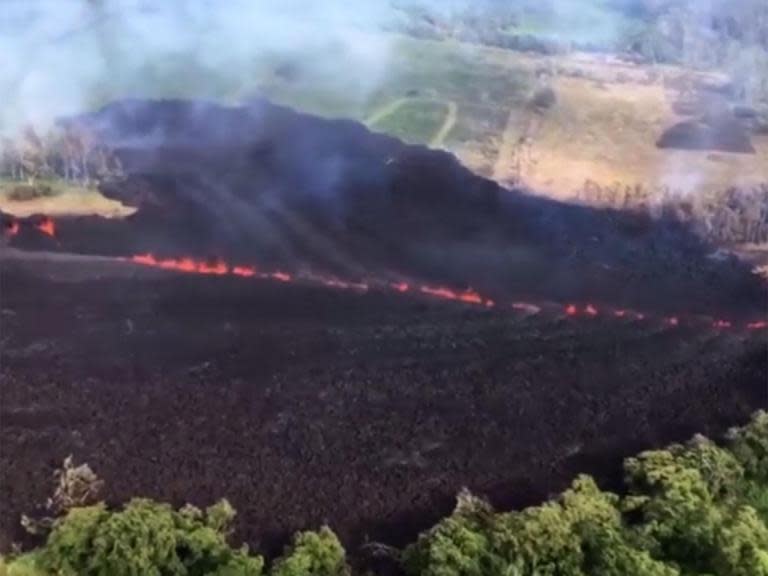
point(12, 228)
point(244, 271)
point(46, 226)
point(220, 268)
point(183, 265)
point(468, 296)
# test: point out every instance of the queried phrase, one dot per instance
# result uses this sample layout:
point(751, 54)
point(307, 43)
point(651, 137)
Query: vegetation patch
point(415, 122)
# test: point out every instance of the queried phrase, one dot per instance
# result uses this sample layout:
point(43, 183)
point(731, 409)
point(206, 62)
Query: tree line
point(733, 216)
point(68, 153)
point(694, 509)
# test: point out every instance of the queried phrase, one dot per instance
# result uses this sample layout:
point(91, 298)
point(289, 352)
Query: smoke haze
point(61, 57)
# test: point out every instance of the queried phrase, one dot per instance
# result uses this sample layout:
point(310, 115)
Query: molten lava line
point(244, 271)
point(441, 292)
point(11, 228)
point(217, 267)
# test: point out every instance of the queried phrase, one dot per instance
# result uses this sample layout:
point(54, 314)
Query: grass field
point(56, 197)
point(415, 121)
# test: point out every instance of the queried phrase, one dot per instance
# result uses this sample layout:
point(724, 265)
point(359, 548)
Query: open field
point(59, 198)
point(416, 121)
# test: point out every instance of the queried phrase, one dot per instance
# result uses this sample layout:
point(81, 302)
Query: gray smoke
point(59, 57)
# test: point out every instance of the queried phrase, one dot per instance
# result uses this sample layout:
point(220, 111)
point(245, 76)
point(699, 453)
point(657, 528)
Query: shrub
point(146, 538)
point(313, 554)
point(27, 192)
point(26, 565)
point(688, 511)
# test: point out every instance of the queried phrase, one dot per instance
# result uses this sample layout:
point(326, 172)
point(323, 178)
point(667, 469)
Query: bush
point(688, 511)
point(146, 538)
point(313, 553)
point(27, 192)
point(27, 565)
point(544, 98)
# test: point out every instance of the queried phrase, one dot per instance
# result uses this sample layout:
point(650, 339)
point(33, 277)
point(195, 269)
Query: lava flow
point(468, 296)
point(217, 267)
point(47, 226)
point(11, 228)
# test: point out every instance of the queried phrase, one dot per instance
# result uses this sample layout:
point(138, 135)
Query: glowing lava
point(46, 226)
point(468, 296)
point(11, 228)
point(183, 265)
point(217, 267)
point(244, 271)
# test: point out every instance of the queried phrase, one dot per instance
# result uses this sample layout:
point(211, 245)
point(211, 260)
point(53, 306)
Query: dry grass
point(78, 202)
point(604, 129)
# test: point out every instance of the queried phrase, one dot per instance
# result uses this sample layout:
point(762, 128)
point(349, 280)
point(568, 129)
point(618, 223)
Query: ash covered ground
point(366, 409)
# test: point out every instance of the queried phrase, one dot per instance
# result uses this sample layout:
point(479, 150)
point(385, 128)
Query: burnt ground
point(367, 411)
point(305, 405)
point(264, 185)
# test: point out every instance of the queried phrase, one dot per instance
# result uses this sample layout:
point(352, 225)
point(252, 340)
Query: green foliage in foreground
point(696, 509)
point(690, 510)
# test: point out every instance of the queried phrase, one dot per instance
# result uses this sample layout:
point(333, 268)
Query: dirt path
point(450, 121)
point(514, 151)
point(438, 139)
point(385, 110)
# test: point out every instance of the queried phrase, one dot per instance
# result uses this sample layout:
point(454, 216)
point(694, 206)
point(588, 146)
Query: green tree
point(742, 545)
point(313, 554)
point(749, 446)
point(460, 545)
point(676, 510)
point(146, 538)
point(608, 548)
